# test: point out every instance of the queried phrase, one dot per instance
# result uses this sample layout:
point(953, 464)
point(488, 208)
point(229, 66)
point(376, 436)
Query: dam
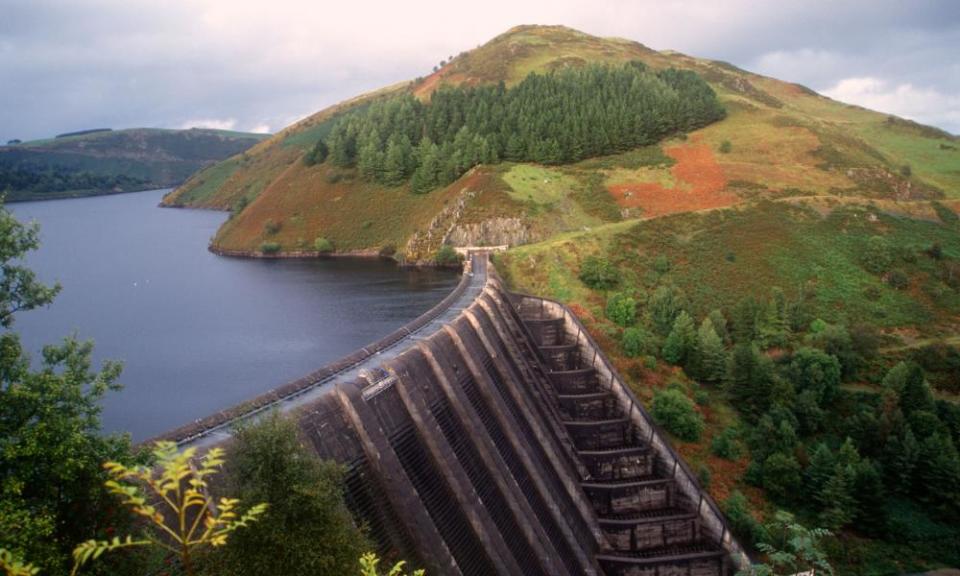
point(493, 436)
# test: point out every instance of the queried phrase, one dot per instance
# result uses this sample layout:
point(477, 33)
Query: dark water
point(197, 332)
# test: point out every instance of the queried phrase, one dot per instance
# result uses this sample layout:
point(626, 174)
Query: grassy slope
point(158, 156)
point(785, 141)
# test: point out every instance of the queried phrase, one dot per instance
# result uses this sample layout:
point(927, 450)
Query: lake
point(198, 332)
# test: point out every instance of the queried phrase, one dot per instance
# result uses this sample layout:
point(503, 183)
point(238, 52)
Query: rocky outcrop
point(490, 232)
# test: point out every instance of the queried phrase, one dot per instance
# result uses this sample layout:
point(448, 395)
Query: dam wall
point(498, 439)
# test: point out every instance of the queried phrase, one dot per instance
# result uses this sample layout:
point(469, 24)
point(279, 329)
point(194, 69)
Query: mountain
point(783, 140)
point(104, 161)
point(775, 273)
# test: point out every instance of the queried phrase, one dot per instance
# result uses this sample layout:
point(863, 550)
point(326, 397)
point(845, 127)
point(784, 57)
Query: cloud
point(261, 129)
point(212, 123)
point(927, 105)
point(72, 65)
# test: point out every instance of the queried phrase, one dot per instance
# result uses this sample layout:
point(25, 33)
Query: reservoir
point(197, 332)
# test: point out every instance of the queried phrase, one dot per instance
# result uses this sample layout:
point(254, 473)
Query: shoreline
point(370, 254)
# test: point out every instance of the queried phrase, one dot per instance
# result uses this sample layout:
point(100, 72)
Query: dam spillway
point(492, 436)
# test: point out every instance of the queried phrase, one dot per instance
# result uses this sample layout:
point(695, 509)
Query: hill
point(781, 281)
point(104, 161)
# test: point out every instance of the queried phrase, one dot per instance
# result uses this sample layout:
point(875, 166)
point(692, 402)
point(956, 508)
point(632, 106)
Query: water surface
point(198, 332)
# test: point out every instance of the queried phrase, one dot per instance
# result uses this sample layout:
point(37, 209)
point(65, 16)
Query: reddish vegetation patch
point(700, 185)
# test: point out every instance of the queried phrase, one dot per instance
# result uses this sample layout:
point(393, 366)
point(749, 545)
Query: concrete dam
point(491, 436)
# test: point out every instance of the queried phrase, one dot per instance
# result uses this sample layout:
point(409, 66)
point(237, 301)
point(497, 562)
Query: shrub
point(726, 147)
point(906, 171)
point(637, 342)
point(725, 445)
point(878, 256)
point(271, 226)
point(388, 251)
point(317, 154)
point(621, 309)
point(781, 476)
point(673, 410)
point(334, 177)
point(268, 463)
point(598, 273)
point(745, 526)
point(322, 245)
point(898, 279)
point(681, 343)
point(270, 247)
point(661, 264)
point(447, 256)
point(704, 476)
point(946, 214)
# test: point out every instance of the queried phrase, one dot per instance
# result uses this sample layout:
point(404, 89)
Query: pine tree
point(750, 380)
point(710, 352)
point(665, 305)
point(822, 466)
point(745, 320)
point(901, 455)
point(871, 516)
point(774, 325)
point(836, 497)
point(938, 473)
point(681, 343)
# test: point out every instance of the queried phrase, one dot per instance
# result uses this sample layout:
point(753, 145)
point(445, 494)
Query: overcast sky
point(260, 65)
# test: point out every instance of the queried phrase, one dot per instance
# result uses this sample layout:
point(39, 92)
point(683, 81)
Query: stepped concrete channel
point(492, 436)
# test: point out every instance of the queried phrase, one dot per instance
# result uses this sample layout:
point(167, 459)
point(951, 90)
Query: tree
point(637, 342)
point(598, 273)
point(673, 410)
point(19, 288)
point(681, 343)
point(665, 305)
point(744, 525)
point(745, 316)
point(308, 529)
point(878, 255)
point(774, 323)
point(750, 380)
point(791, 548)
point(447, 256)
point(189, 519)
point(909, 382)
point(711, 355)
point(938, 473)
point(51, 443)
point(725, 444)
point(323, 245)
point(837, 499)
point(822, 466)
point(621, 309)
point(814, 370)
point(317, 155)
point(781, 476)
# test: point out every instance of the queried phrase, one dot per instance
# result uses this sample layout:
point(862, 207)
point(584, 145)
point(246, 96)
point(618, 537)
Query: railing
point(707, 508)
point(272, 398)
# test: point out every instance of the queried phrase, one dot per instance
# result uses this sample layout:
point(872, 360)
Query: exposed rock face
point(491, 232)
point(424, 243)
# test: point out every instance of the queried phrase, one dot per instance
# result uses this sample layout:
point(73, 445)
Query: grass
point(537, 184)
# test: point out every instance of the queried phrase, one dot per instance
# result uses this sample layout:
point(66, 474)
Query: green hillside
point(106, 161)
point(777, 271)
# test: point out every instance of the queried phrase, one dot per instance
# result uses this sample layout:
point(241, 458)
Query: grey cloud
point(72, 64)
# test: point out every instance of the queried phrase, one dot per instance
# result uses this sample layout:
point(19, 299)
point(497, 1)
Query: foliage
point(559, 117)
point(750, 380)
point(271, 226)
point(637, 342)
point(447, 256)
point(11, 566)
point(781, 476)
point(681, 344)
point(308, 529)
point(878, 255)
point(598, 273)
point(19, 288)
point(711, 353)
point(317, 154)
point(743, 524)
point(51, 443)
point(665, 305)
point(791, 548)
point(189, 519)
point(621, 309)
point(725, 444)
point(726, 147)
point(322, 245)
point(270, 247)
point(673, 410)
point(369, 563)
